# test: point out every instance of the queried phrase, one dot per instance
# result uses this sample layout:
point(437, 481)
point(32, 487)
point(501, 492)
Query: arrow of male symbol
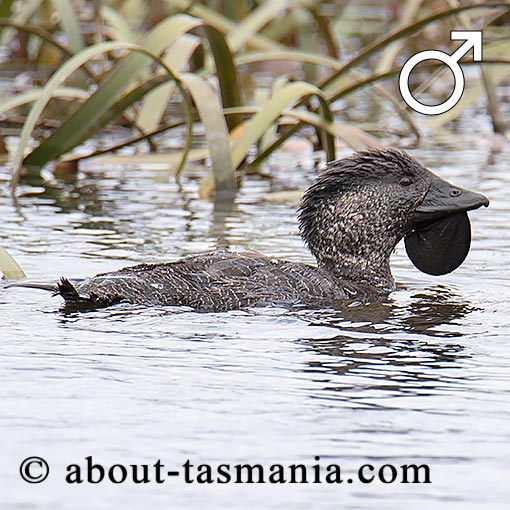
point(473, 40)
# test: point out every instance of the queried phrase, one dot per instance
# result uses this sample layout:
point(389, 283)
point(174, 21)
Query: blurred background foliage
point(229, 82)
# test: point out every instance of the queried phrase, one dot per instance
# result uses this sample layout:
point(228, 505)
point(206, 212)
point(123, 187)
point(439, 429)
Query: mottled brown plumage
point(351, 218)
point(213, 281)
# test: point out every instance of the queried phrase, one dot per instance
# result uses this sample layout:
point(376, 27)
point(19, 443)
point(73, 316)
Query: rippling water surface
point(422, 378)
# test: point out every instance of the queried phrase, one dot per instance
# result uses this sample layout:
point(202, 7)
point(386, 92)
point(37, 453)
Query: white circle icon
point(473, 40)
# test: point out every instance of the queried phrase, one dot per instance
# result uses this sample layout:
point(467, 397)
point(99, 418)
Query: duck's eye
point(406, 181)
point(455, 192)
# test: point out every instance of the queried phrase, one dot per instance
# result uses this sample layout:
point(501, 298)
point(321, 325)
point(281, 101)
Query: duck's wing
point(214, 281)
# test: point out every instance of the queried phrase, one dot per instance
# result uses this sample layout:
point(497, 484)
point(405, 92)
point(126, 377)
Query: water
point(422, 378)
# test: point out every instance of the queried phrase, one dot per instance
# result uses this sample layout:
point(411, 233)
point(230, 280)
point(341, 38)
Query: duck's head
point(358, 209)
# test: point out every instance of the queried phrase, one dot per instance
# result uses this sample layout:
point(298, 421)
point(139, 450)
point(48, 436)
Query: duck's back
point(215, 281)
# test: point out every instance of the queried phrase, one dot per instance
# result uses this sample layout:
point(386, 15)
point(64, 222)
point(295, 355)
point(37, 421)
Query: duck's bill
point(441, 237)
point(444, 198)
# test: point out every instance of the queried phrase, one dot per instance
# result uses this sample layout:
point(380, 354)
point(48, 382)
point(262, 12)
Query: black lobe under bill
point(439, 247)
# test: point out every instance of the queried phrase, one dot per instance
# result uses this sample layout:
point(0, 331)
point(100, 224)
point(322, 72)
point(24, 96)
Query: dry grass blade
point(152, 158)
point(33, 95)
point(9, 267)
point(120, 30)
point(254, 129)
point(133, 141)
point(352, 135)
point(216, 132)
point(255, 21)
point(290, 55)
point(224, 24)
point(155, 103)
point(70, 24)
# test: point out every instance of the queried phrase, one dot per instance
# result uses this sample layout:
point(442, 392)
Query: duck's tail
point(62, 288)
point(68, 291)
point(74, 301)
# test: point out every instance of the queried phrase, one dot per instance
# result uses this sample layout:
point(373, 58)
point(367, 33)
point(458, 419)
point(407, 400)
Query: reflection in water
point(424, 313)
point(386, 347)
point(222, 212)
point(87, 195)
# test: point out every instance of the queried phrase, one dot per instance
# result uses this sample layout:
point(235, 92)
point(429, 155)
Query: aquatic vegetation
point(184, 68)
point(9, 268)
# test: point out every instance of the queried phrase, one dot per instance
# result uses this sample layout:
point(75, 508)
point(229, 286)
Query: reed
point(184, 70)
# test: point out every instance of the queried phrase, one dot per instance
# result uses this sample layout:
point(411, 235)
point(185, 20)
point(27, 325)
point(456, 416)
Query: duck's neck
point(372, 271)
point(351, 238)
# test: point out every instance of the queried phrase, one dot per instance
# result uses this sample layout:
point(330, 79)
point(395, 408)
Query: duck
point(351, 218)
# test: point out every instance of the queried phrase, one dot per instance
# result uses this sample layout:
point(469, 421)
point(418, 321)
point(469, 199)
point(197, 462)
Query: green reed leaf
point(53, 83)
